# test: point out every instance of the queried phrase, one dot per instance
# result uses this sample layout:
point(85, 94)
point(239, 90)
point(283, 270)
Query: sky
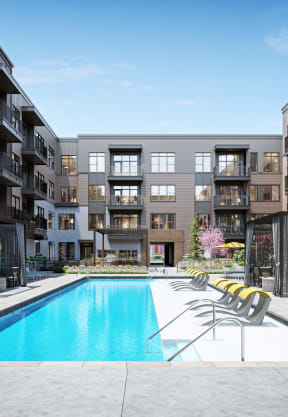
point(210, 66)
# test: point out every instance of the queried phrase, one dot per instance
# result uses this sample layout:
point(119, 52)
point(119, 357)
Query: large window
point(50, 220)
point(51, 158)
point(265, 193)
point(96, 162)
point(202, 192)
point(66, 221)
point(95, 221)
point(51, 190)
point(203, 162)
point(15, 202)
point(230, 223)
point(271, 162)
point(66, 250)
point(68, 194)
point(125, 221)
point(163, 221)
point(203, 220)
point(125, 164)
point(122, 254)
point(163, 162)
point(68, 164)
point(230, 164)
point(254, 161)
point(96, 192)
point(163, 192)
point(125, 195)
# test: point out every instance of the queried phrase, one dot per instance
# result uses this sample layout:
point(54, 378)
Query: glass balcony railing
point(125, 201)
point(227, 200)
point(235, 169)
point(129, 171)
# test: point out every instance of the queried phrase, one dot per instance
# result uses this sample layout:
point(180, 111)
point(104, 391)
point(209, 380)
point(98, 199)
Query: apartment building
point(128, 197)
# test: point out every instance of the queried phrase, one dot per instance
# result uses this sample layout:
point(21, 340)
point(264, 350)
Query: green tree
point(195, 247)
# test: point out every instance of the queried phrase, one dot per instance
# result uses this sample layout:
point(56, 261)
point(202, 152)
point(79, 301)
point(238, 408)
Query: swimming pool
point(95, 320)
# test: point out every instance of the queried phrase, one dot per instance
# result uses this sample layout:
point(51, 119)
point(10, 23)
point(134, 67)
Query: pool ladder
point(214, 325)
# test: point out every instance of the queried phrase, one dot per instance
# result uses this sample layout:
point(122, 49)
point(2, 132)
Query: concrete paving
point(111, 391)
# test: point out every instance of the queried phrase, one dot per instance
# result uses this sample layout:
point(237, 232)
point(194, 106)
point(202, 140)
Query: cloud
point(279, 43)
point(126, 83)
point(184, 102)
point(54, 73)
point(124, 65)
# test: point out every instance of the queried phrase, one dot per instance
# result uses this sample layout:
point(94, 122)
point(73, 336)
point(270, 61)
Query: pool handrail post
point(213, 327)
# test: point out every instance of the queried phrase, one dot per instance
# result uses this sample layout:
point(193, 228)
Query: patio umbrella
point(231, 245)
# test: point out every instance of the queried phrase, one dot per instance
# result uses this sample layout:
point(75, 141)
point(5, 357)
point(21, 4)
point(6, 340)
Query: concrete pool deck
point(130, 391)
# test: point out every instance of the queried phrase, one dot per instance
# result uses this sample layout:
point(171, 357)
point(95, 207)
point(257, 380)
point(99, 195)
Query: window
point(69, 165)
point(15, 158)
point(95, 221)
point(37, 248)
point(50, 220)
point(253, 192)
point(271, 192)
point(265, 193)
point(50, 250)
point(15, 202)
point(202, 192)
point(203, 220)
point(163, 193)
point(163, 162)
point(66, 222)
point(163, 221)
point(97, 192)
point(230, 164)
point(128, 255)
point(51, 158)
point(125, 165)
point(125, 221)
point(230, 223)
point(254, 161)
point(202, 162)
point(96, 162)
point(66, 250)
point(271, 162)
point(40, 212)
point(68, 194)
point(125, 195)
point(51, 190)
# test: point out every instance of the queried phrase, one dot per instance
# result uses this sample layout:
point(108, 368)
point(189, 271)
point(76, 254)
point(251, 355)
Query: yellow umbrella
point(231, 245)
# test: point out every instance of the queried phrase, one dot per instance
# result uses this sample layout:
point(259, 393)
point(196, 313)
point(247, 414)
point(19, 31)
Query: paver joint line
point(124, 392)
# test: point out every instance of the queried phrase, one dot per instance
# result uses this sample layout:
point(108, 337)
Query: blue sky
point(151, 66)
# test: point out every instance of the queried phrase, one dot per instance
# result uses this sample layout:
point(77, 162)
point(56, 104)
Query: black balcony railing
point(286, 144)
point(35, 183)
point(125, 201)
point(11, 213)
point(36, 143)
point(129, 171)
point(10, 165)
point(11, 117)
point(36, 222)
point(227, 200)
point(286, 184)
point(232, 230)
point(234, 169)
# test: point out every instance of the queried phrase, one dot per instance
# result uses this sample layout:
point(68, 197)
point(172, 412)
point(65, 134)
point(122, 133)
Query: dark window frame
point(159, 195)
point(167, 221)
point(64, 220)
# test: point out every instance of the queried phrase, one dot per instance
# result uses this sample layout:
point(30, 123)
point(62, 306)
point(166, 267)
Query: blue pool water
point(97, 320)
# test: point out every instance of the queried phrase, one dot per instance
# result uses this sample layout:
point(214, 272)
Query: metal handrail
point(194, 303)
point(213, 328)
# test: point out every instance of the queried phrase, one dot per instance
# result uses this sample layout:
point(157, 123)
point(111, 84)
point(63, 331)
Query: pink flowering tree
point(210, 238)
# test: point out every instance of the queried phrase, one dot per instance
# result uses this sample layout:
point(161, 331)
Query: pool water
point(96, 320)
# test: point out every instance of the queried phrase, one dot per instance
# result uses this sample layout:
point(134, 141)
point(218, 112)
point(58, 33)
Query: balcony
point(7, 83)
point(232, 232)
point(10, 214)
point(34, 188)
point(11, 173)
point(225, 202)
point(125, 203)
point(233, 172)
point(130, 174)
point(121, 232)
point(34, 151)
point(11, 129)
point(36, 227)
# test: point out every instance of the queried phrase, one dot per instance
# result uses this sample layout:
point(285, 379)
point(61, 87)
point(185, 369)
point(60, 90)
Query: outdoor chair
point(246, 297)
point(199, 283)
